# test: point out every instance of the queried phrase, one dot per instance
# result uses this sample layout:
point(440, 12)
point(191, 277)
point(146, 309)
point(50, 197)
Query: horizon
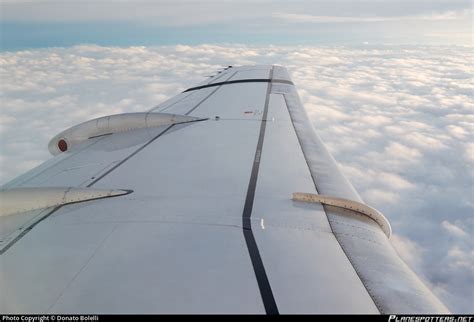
point(52, 23)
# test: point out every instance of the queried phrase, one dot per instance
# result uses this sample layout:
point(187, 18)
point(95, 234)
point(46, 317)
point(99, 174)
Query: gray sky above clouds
point(112, 22)
point(215, 11)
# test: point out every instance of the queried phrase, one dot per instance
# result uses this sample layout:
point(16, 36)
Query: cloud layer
point(398, 119)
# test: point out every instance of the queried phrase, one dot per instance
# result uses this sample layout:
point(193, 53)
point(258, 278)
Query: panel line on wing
point(257, 263)
point(250, 80)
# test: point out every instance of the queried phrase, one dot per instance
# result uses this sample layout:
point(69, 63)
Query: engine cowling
point(68, 139)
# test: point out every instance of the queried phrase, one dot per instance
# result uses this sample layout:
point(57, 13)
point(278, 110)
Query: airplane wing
point(222, 199)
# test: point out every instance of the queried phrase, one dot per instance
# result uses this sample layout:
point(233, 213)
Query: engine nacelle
point(77, 134)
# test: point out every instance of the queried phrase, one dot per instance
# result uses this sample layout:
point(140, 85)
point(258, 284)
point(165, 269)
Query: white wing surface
point(189, 208)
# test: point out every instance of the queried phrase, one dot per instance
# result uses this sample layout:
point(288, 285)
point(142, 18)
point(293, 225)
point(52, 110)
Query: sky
point(32, 24)
point(388, 86)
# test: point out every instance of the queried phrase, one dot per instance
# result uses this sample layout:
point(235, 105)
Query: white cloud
point(462, 259)
point(424, 141)
point(399, 151)
point(469, 152)
point(457, 131)
point(398, 119)
point(410, 251)
point(381, 196)
point(453, 229)
point(394, 181)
